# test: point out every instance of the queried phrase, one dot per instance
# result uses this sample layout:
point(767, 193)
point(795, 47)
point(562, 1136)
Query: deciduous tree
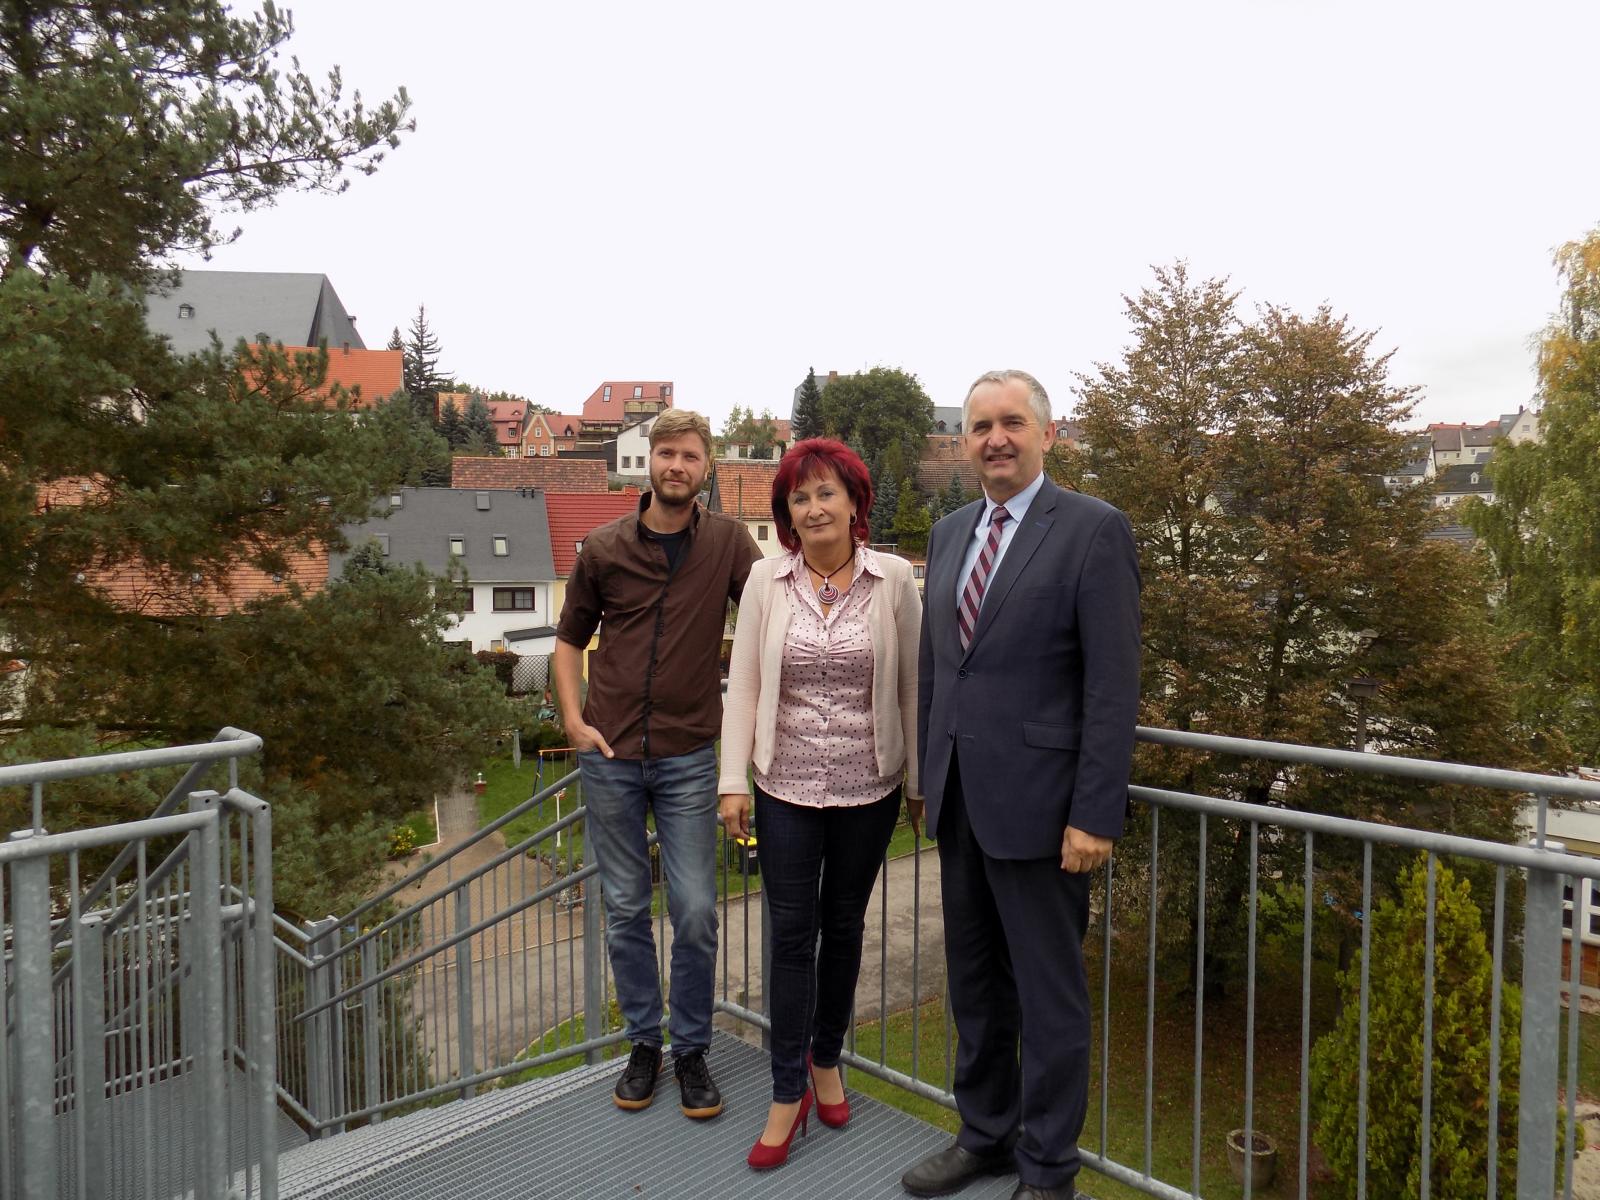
point(878, 409)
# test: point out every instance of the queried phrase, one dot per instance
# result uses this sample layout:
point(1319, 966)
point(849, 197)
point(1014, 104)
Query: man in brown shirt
point(656, 584)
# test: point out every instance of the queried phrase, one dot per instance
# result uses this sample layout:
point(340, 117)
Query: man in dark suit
point(1028, 695)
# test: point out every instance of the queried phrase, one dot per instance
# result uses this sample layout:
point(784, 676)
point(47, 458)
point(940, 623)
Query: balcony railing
point(485, 965)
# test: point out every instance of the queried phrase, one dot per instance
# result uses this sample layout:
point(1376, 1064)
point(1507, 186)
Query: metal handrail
point(1427, 770)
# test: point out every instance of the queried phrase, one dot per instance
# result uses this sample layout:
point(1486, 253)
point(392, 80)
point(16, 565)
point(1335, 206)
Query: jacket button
point(962, 673)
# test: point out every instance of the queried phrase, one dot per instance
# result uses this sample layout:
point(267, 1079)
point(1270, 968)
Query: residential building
point(944, 456)
point(1463, 480)
point(369, 376)
point(1418, 467)
point(782, 437)
point(546, 474)
point(628, 454)
point(508, 416)
point(744, 490)
point(946, 419)
point(499, 539)
point(574, 516)
point(617, 403)
point(547, 434)
point(274, 306)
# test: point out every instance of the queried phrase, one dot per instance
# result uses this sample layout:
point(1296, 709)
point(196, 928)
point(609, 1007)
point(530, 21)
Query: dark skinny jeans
point(818, 867)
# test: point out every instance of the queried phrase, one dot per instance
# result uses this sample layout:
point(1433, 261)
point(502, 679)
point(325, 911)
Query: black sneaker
point(637, 1087)
point(697, 1092)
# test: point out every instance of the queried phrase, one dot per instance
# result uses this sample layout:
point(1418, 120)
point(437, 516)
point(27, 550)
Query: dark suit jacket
point(1042, 705)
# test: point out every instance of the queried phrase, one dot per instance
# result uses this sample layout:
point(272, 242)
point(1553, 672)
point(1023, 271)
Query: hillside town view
point(1161, 759)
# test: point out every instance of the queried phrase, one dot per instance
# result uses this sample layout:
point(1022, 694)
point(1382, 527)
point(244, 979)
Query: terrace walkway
point(562, 1137)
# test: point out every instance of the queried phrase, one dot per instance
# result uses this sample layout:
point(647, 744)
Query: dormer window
point(1474, 477)
point(185, 312)
point(637, 391)
point(608, 393)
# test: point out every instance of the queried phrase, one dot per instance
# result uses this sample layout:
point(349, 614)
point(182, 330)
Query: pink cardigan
point(750, 710)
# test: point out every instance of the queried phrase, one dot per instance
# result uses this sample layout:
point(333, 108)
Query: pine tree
point(199, 467)
point(912, 520)
point(954, 496)
point(885, 504)
point(479, 425)
point(807, 419)
point(1463, 973)
point(451, 427)
point(423, 379)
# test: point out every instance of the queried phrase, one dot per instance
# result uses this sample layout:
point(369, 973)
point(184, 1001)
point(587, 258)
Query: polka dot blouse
point(824, 754)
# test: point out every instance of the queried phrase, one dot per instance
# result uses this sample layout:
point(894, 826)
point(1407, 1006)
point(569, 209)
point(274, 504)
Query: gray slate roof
point(1459, 478)
point(949, 415)
point(295, 309)
point(419, 531)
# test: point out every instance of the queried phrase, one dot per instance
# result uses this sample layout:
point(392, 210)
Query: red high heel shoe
point(764, 1157)
point(834, 1116)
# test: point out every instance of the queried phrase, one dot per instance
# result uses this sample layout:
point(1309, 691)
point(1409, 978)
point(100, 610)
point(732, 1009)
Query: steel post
point(465, 1055)
point(88, 1043)
point(1541, 1024)
point(594, 968)
point(318, 1029)
point(206, 964)
point(33, 1094)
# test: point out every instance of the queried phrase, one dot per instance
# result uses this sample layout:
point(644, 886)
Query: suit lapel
point(1027, 539)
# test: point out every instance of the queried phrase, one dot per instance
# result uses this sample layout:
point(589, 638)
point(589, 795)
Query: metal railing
point(137, 1009)
point(481, 964)
point(907, 988)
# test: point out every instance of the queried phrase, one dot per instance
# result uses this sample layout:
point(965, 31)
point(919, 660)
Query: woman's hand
point(914, 807)
point(734, 809)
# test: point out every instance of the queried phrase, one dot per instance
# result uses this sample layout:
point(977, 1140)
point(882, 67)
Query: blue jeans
point(819, 865)
point(682, 793)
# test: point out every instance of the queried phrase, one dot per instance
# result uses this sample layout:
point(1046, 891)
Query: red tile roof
point(370, 375)
point(598, 408)
point(744, 490)
point(508, 416)
point(574, 516)
point(550, 474)
point(943, 456)
point(137, 588)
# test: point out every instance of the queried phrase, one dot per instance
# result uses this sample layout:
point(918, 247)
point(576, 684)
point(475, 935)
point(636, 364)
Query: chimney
point(832, 375)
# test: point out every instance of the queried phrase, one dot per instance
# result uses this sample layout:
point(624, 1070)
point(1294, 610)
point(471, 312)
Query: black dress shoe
point(952, 1169)
point(637, 1087)
point(1032, 1191)
point(697, 1091)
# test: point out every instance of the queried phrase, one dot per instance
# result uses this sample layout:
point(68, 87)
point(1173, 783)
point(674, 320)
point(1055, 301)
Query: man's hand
point(914, 807)
point(734, 808)
point(1082, 852)
point(587, 737)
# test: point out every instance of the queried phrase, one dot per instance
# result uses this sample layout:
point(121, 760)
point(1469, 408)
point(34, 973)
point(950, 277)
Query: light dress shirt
point(1016, 510)
point(824, 754)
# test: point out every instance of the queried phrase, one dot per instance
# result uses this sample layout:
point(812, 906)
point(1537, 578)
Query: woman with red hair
point(822, 703)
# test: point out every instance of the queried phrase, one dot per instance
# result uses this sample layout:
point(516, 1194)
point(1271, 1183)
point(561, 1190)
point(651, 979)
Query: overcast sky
point(726, 194)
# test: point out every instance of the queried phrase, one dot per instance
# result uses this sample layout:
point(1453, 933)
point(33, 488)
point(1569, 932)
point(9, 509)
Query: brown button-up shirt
point(654, 690)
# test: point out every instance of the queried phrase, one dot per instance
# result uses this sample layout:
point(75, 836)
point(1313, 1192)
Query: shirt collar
point(644, 503)
point(1016, 507)
point(866, 560)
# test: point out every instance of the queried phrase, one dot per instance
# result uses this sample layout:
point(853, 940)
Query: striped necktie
point(972, 594)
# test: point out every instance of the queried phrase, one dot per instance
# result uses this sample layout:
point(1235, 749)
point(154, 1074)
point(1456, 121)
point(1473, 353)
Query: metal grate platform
point(558, 1138)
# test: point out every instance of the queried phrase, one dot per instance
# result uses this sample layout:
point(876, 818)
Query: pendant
point(827, 593)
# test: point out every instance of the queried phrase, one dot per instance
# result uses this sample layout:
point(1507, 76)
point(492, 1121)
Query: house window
point(502, 546)
point(464, 600)
point(666, 390)
point(608, 393)
point(396, 500)
point(458, 547)
point(185, 312)
point(513, 599)
point(483, 501)
point(761, 533)
point(637, 392)
point(544, 451)
point(577, 547)
point(497, 644)
point(383, 544)
point(918, 571)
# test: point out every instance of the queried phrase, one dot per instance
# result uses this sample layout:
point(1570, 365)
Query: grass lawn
point(424, 832)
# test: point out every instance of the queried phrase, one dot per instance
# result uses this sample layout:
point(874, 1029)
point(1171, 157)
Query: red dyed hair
point(811, 459)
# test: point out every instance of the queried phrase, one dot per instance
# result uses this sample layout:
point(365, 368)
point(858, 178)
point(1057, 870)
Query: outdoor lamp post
point(1362, 688)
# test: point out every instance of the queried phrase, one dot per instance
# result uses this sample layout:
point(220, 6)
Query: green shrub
point(1462, 981)
point(402, 841)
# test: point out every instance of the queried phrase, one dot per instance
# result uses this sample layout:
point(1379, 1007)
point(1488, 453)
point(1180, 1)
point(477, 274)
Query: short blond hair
point(675, 422)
